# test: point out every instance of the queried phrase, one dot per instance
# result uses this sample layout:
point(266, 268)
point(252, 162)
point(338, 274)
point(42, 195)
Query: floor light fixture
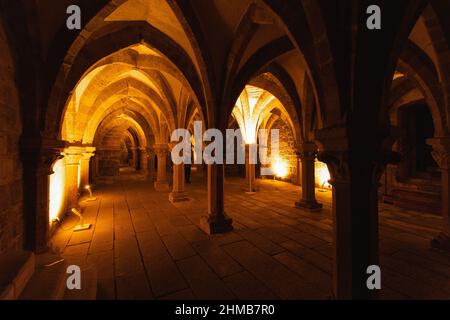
point(81, 226)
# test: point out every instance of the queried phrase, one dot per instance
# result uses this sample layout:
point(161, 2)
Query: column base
point(387, 199)
point(144, 173)
point(442, 242)
point(214, 225)
point(309, 205)
point(162, 186)
point(178, 197)
point(251, 190)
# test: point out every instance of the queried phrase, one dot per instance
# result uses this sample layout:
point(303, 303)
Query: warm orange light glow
point(253, 105)
point(398, 75)
point(279, 167)
point(322, 175)
point(57, 186)
point(79, 175)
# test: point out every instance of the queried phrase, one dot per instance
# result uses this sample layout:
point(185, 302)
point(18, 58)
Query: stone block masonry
point(11, 189)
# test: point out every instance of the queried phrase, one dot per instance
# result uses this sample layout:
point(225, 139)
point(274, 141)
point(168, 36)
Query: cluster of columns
point(354, 206)
point(216, 221)
point(39, 156)
point(161, 184)
point(76, 161)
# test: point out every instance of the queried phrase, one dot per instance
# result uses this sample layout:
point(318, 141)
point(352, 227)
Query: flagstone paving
point(144, 247)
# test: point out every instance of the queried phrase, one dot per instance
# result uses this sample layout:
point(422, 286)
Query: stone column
point(355, 213)
point(72, 159)
point(151, 164)
point(250, 168)
point(441, 153)
point(84, 169)
point(143, 162)
point(298, 169)
point(39, 156)
point(307, 158)
point(216, 221)
point(178, 193)
point(161, 183)
point(136, 158)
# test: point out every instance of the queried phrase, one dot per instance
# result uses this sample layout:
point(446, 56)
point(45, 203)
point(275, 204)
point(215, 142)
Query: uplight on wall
point(56, 192)
point(279, 167)
point(322, 177)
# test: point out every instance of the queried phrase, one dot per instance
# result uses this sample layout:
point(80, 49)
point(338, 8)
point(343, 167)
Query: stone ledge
point(17, 270)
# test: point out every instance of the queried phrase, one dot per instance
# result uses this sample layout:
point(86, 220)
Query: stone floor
point(146, 248)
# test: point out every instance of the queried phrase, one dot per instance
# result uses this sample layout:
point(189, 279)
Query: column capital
point(39, 154)
point(333, 150)
point(307, 150)
point(332, 139)
point(171, 145)
point(161, 149)
point(441, 151)
point(338, 165)
point(73, 154)
point(88, 153)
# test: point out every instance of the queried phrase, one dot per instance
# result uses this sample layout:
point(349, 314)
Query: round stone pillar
point(216, 221)
point(161, 183)
point(354, 210)
point(307, 158)
point(151, 164)
point(178, 193)
point(72, 161)
point(250, 167)
point(143, 162)
point(84, 167)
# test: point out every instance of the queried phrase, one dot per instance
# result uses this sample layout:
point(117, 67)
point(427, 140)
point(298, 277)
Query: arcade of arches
point(363, 175)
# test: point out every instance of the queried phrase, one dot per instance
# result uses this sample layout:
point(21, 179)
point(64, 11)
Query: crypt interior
point(362, 177)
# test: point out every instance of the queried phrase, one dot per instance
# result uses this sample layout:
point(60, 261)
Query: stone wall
point(287, 149)
point(11, 189)
point(108, 162)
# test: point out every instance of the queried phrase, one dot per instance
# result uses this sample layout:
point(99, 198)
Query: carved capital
point(333, 151)
point(338, 165)
point(307, 151)
point(39, 154)
point(88, 154)
point(161, 150)
point(332, 139)
point(73, 155)
point(150, 152)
